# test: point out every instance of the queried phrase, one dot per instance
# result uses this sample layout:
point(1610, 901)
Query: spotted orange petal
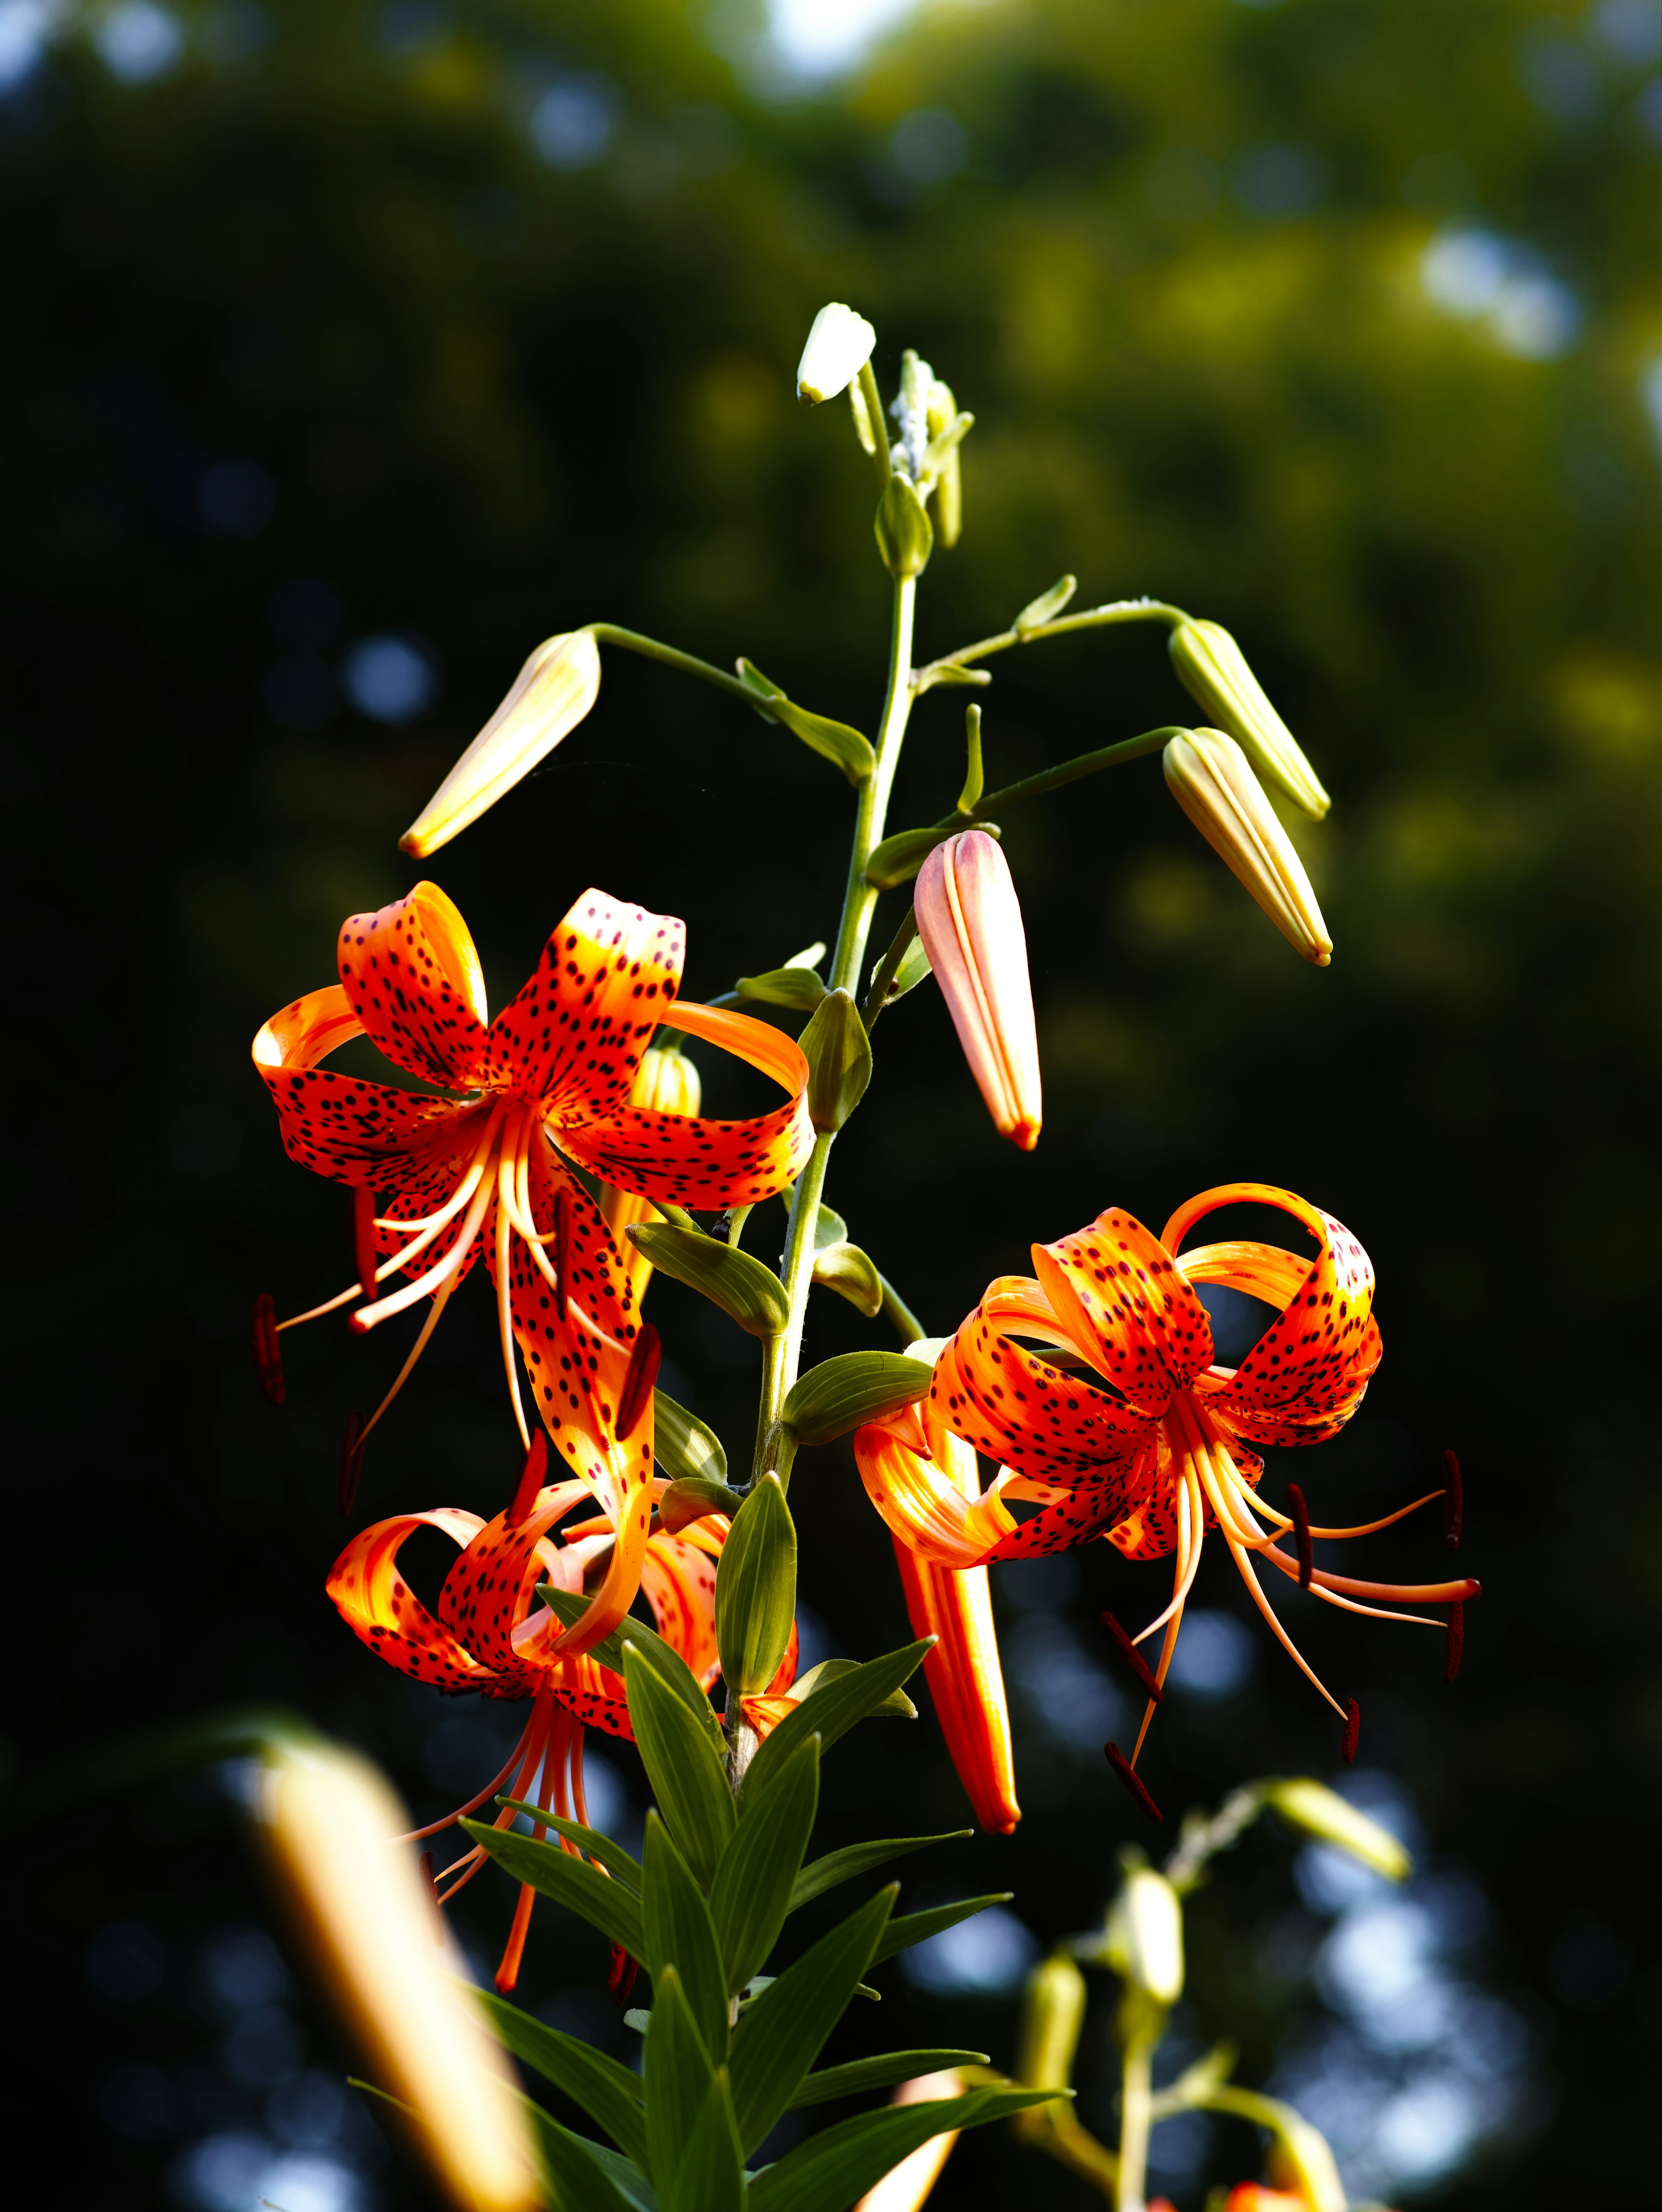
point(487, 1594)
point(965, 1680)
point(687, 1159)
point(1117, 1289)
point(382, 1611)
point(1014, 1406)
point(352, 1131)
point(573, 1035)
point(680, 1582)
point(414, 979)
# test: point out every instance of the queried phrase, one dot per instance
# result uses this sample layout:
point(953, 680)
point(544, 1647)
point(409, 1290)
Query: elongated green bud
point(1213, 670)
point(1052, 2014)
point(905, 536)
point(1322, 1812)
point(857, 1387)
point(839, 346)
point(756, 1591)
point(683, 1446)
point(1145, 1935)
point(1212, 780)
point(783, 986)
point(839, 1054)
point(742, 1286)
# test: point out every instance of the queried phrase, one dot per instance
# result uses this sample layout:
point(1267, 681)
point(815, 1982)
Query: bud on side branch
point(969, 921)
point(839, 1056)
point(1144, 1937)
point(839, 346)
point(550, 695)
point(1213, 670)
point(1212, 780)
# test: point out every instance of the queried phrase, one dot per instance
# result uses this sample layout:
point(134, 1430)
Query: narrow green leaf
point(710, 2174)
point(742, 1286)
point(839, 1394)
point(823, 1874)
point(680, 1933)
point(895, 1707)
point(880, 2073)
point(832, 1710)
point(756, 1588)
point(779, 2038)
point(629, 2179)
point(683, 1766)
point(755, 1880)
point(580, 2183)
point(607, 2092)
point(682, 1444)
point(917, 1927)
point(667, 1663)
point(832, 2169)
point(612, 1856)
point(1045, 607)
point(576, 1885)
point(678, 2078)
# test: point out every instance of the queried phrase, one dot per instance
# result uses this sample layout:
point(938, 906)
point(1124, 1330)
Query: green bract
point(742, 1286)
point(840, 1393)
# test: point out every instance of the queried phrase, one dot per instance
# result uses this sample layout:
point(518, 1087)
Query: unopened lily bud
point(905, 536)
point(842, 1393)
point(1212, 780)
point(666, 1082)
point(839, 346)
point(1052, 2014)
point(1145, 1935)
point(949, 480)
point(1213, 670)
point(969, 921)
point(552, 694)
point(326, 1823)
point(839, 1055)
point(1322, 1812)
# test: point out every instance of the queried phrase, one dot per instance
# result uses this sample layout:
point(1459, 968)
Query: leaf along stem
point(1117, 610)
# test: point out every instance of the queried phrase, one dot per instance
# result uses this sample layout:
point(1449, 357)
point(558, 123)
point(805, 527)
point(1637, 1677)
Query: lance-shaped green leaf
point(683, 1766)
point(832, 2169)
point(689, 1498)
point(860, 2074)
point(683, 1446)
point(582, 2183)
point(839, 1056)
point(678, 2078)
point(905, 536)
point(607, 2092)
point(840, 1393)
point(742, 1286)
point(607, 1904)
point(779, 2038)
point(755, 1589)
point(666, 1662)
point(832, 1712)
point(710, 2176)
point(756, 1879)
point(917, 1927)
point(612, 1856)
point(834, 741)
point(783, 986)
point(852, 1274)
point(822, 1874)
point(680, 1933)
point(1046, 607)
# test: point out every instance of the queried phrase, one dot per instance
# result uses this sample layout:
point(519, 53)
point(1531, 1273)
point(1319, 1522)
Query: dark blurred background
point(354, 348)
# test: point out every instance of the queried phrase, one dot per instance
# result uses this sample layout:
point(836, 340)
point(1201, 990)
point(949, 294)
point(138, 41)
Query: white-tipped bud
point(552, 694)
point(1212, 780)
point(839, 346)
point(1322, 1812)
point(1145, 1936)
point(1213, 670)
point(325, 1823)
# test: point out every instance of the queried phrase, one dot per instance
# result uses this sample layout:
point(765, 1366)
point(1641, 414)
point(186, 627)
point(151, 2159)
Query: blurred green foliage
point(309, 344)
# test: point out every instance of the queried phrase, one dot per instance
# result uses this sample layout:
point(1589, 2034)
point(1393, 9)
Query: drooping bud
point(839, 346)
point(1316, 1811)
point(326, 1821)
point(839, 1055)
point(1212, 780)
point(268, 1351)
point(363, 1239)
point(969, 921)
point(550, 695)
point(1144, 1936)
point(1213, 671)
point(839, 1395)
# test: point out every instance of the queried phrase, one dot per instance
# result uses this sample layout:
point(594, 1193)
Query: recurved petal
point(337, 1125)
point(573, 1037)
point(966, 1680)
point(1115, 1498)
point(1118, 1292)
point(1045, 1421)
point(413, 976)
point(382, 1611)
point(680, 1582)
point(489, 1591)
point(939, 1514)
point(687, 1159)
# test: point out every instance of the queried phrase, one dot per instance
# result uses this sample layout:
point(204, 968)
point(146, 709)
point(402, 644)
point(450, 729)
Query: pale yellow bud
point(1213, 670)
point(1053, 2012)
point(1322, 1812)
point(550, 695)
point(326, 1821)
point(666, 1082)
point(1145, 1936)
point(1212, 780)
point(839, 346)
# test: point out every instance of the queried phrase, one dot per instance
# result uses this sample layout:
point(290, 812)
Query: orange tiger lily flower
point(1141, 1437)
point(489, 1632)
point(484, 1167)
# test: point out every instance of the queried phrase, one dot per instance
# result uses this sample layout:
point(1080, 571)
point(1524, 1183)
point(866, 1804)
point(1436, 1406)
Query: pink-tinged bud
point(552, 694)
point(969, 921)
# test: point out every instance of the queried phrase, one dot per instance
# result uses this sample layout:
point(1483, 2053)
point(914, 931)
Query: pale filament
point(1366, 1528)
point(368, 1317)
point(441, 1299)
point(506, 1162)
point(1191, 1534)
point(473, 1803)
point(1243, 1560)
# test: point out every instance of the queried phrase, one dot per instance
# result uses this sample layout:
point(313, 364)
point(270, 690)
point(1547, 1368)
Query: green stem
point(688, 663)
point(1052, 778)
point(899, 1316)
point(1135, 2124)
point(1117, 610)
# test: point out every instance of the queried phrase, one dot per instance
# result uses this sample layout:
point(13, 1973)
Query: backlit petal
point(1116, 1289)
point(337, 1125)
point(381, 1610)
point(1014, 1406)
point(937, 1512)
point(965, 1680)
point(413, 977)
